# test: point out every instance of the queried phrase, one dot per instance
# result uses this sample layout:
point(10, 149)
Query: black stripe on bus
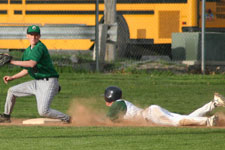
point(3, 1)
point(212, 0)
point(152, 1)
point(151, 12)
point(60, 1)
point(15, 1)
point(197, 29)
point(18, 12)
point(100, 1)
point(220, 16)
point(220, 9)
point(3, 11)
point(31, 12)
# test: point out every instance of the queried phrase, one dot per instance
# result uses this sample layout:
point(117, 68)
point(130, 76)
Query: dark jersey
point(44, 67)
point(117, 110)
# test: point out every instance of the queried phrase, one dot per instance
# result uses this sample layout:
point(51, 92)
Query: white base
point(41, 121)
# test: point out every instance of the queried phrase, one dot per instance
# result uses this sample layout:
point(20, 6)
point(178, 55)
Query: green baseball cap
point(33, 29)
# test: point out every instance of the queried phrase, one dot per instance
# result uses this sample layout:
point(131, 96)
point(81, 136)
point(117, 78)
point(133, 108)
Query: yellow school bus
point(149, 22)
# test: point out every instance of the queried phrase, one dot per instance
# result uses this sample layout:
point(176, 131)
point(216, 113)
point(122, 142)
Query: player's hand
point(6, 79)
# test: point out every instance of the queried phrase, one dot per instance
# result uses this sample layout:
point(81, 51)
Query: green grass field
point(177, 93)
point(112, 138)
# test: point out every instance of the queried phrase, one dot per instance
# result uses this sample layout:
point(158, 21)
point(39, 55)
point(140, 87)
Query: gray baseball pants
point(44, 90)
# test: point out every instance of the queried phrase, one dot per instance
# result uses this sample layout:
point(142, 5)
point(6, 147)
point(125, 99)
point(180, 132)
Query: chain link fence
point(166, 35)
point(151, 35)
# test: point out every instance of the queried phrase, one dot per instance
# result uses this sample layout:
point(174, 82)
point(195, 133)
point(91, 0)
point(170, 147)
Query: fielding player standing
point(125, 110)
point(37, 63)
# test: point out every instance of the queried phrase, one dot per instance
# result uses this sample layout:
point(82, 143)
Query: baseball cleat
point(67, 120)
point(219, 100)
point(4, 118)
point(212, 121)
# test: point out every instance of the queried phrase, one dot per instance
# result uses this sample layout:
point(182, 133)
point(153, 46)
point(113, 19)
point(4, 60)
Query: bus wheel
point(122, 37)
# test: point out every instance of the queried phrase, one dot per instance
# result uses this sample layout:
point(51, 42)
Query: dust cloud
point(86, 115)
point(221, 121)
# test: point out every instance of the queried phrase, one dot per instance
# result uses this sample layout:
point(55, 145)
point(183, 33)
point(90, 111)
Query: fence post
point(101, 46)
point(110, 18)
point(96, 35)
point(203, 38)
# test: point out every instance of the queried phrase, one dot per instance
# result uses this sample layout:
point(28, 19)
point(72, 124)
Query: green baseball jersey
point(117, 110)
point(44, 67)
point(122, 109)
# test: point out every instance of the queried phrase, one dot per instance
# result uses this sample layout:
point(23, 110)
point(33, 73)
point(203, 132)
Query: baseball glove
point(4, 59)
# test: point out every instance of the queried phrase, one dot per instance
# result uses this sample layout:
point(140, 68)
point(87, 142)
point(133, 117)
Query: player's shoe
point(67, 120)
point(212, 121)
point(219, 100)
point(4, 118)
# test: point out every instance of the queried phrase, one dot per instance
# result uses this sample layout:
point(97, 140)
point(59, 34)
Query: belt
point(47, 78)
point(43, 79)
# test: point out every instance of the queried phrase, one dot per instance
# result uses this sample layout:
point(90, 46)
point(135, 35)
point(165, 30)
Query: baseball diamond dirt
point(83, 115)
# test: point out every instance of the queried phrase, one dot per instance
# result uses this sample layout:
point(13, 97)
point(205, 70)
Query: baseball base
point(37, 121)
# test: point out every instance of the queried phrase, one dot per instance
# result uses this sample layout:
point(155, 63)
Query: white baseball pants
point(161, 116)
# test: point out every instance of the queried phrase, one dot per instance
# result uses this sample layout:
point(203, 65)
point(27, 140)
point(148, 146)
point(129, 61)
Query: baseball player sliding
point(37, 63)
point(123, 109)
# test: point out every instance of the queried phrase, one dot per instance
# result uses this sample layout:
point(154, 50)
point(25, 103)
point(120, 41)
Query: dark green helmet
point(112, 93)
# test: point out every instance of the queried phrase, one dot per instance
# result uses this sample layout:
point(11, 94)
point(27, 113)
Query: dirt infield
point(85, 116)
